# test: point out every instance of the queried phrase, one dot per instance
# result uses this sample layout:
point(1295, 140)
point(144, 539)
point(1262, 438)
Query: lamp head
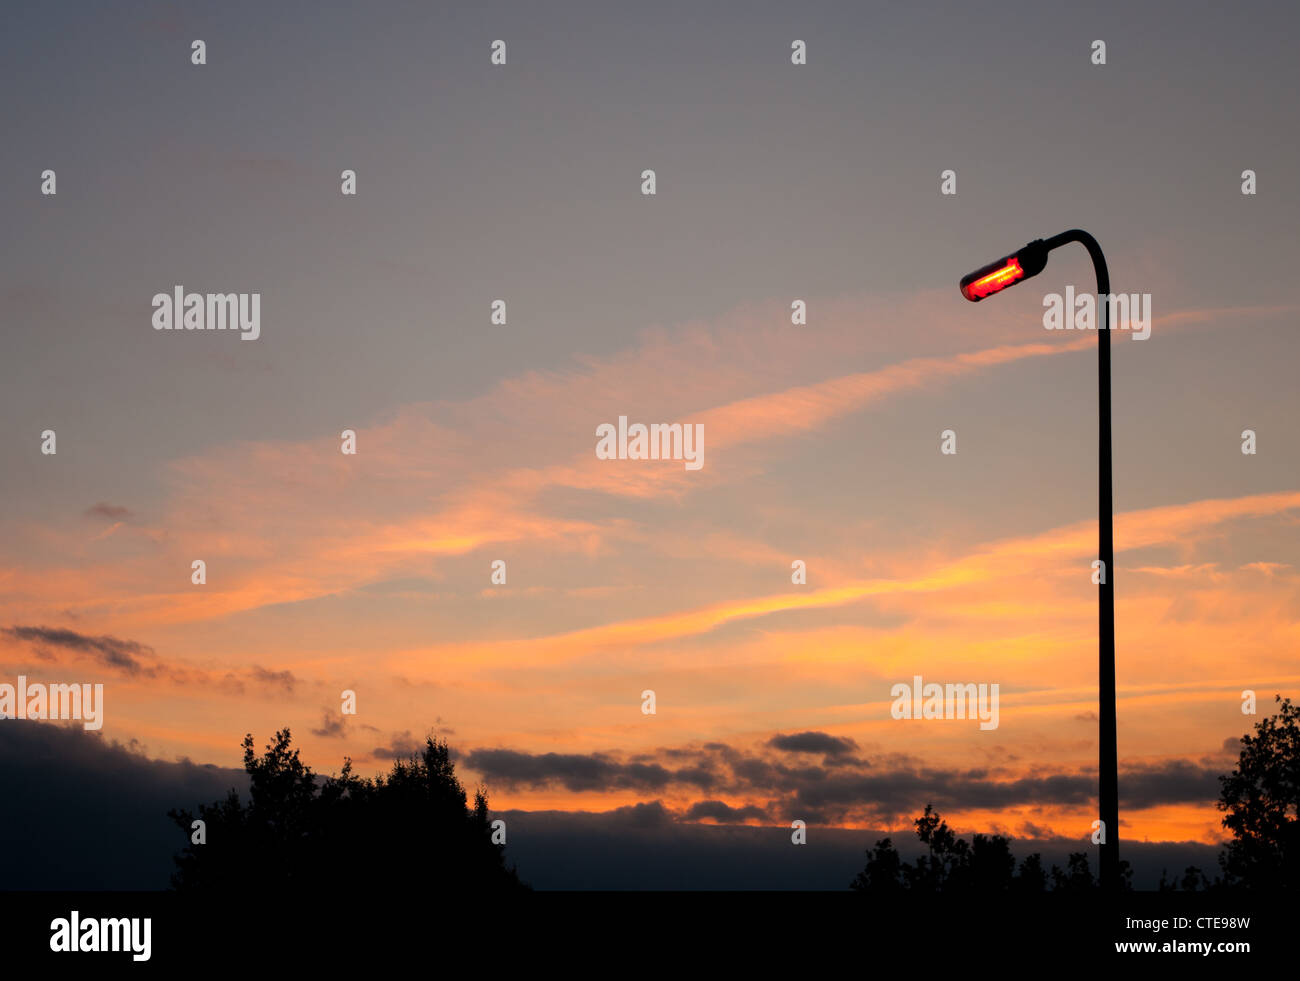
point(1007, 271)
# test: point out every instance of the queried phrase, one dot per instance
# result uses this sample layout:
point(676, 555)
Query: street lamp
point(993, 278)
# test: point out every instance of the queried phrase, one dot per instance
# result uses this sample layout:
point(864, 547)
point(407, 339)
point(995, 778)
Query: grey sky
point(774, 181)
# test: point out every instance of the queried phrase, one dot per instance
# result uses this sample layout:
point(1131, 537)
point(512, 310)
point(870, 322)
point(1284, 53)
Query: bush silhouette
point(302, 833)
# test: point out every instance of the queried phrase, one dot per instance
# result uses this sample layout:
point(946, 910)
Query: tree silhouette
point(1032, 877)
point(992, 867)
point(1262, 799)
point(301, 833)
point(884, 871)
point(941, 867)
point(1076, 878)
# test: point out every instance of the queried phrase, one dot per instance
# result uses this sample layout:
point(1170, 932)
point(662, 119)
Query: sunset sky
point(475, 442)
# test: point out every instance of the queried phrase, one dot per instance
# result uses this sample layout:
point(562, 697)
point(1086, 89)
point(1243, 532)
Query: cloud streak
point(124, 655)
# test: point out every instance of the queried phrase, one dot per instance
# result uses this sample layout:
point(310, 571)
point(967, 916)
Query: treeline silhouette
point(300, 833)
point(1261, 798)
point(985, 864)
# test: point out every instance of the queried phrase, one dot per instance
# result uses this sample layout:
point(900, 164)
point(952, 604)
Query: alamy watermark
point(935, 701)
point(678, 441)
point(179, 310)
point(133, 935)
point(38, 701)
point(1128, 311)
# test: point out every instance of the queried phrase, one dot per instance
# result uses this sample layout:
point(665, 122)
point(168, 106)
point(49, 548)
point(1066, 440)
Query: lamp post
point(993, 278)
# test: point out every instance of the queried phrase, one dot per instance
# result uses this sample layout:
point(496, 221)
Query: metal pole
point(1107, 748)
